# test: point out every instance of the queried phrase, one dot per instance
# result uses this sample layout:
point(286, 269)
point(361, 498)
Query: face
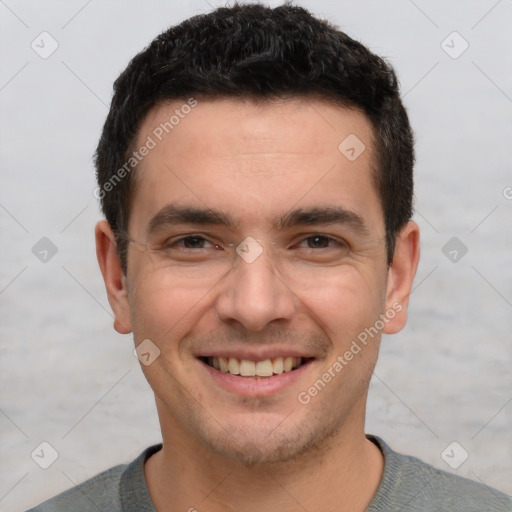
point(258, 263)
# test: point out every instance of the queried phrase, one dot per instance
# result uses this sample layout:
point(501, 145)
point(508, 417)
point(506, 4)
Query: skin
point(223, 450)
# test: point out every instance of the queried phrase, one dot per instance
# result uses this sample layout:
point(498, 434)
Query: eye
point(189, 242)
point(318, 241)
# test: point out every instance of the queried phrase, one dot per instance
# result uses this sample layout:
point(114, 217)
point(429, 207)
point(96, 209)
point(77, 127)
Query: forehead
point(255, 157)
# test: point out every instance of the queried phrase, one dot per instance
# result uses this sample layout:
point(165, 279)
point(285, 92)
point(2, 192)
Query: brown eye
point(193, 242)
point(318, 241)
point(320, 244)
point(188, 242)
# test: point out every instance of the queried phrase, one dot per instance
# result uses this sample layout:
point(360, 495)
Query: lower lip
point(257, 386)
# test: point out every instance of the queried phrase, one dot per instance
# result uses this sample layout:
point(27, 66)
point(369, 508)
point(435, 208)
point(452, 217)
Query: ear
point(115, 280)
point(401, 275)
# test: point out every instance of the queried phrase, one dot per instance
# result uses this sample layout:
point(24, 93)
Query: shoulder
point(109, 490)
point(98, 493)
point(414, 485)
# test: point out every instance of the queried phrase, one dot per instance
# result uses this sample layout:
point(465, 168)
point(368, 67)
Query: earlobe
point(401, 276)
point(115, 280)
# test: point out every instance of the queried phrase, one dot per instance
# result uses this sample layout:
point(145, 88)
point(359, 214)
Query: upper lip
point(256, 355)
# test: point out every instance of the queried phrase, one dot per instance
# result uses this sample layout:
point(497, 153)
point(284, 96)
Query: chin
point(250, 447)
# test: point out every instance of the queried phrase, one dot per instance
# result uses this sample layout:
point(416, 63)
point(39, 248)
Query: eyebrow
point(175, 214)
point(322, 215)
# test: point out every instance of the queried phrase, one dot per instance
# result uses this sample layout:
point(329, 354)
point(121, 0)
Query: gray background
point(69, 379)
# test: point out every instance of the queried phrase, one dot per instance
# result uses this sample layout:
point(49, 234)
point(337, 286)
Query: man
point(255, 171)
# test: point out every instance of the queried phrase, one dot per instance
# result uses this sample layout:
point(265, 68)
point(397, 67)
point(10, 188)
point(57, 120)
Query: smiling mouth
point(262, 369)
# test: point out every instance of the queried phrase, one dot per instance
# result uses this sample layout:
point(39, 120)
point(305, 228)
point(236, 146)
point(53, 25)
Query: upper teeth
point(247, 368)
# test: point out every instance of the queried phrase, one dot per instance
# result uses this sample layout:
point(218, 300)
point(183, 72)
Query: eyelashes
point(315, 241)
point(324, 238)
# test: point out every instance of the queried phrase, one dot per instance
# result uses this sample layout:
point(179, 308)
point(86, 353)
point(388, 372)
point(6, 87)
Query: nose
point(254, 295)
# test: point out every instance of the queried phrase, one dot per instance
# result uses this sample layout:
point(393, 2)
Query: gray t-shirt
point(407, 485)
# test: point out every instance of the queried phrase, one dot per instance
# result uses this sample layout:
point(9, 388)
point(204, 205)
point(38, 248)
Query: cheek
point(163, 308)
point(345, 300)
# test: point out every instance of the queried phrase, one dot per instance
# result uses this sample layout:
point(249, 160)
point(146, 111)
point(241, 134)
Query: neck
point(342, 474)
